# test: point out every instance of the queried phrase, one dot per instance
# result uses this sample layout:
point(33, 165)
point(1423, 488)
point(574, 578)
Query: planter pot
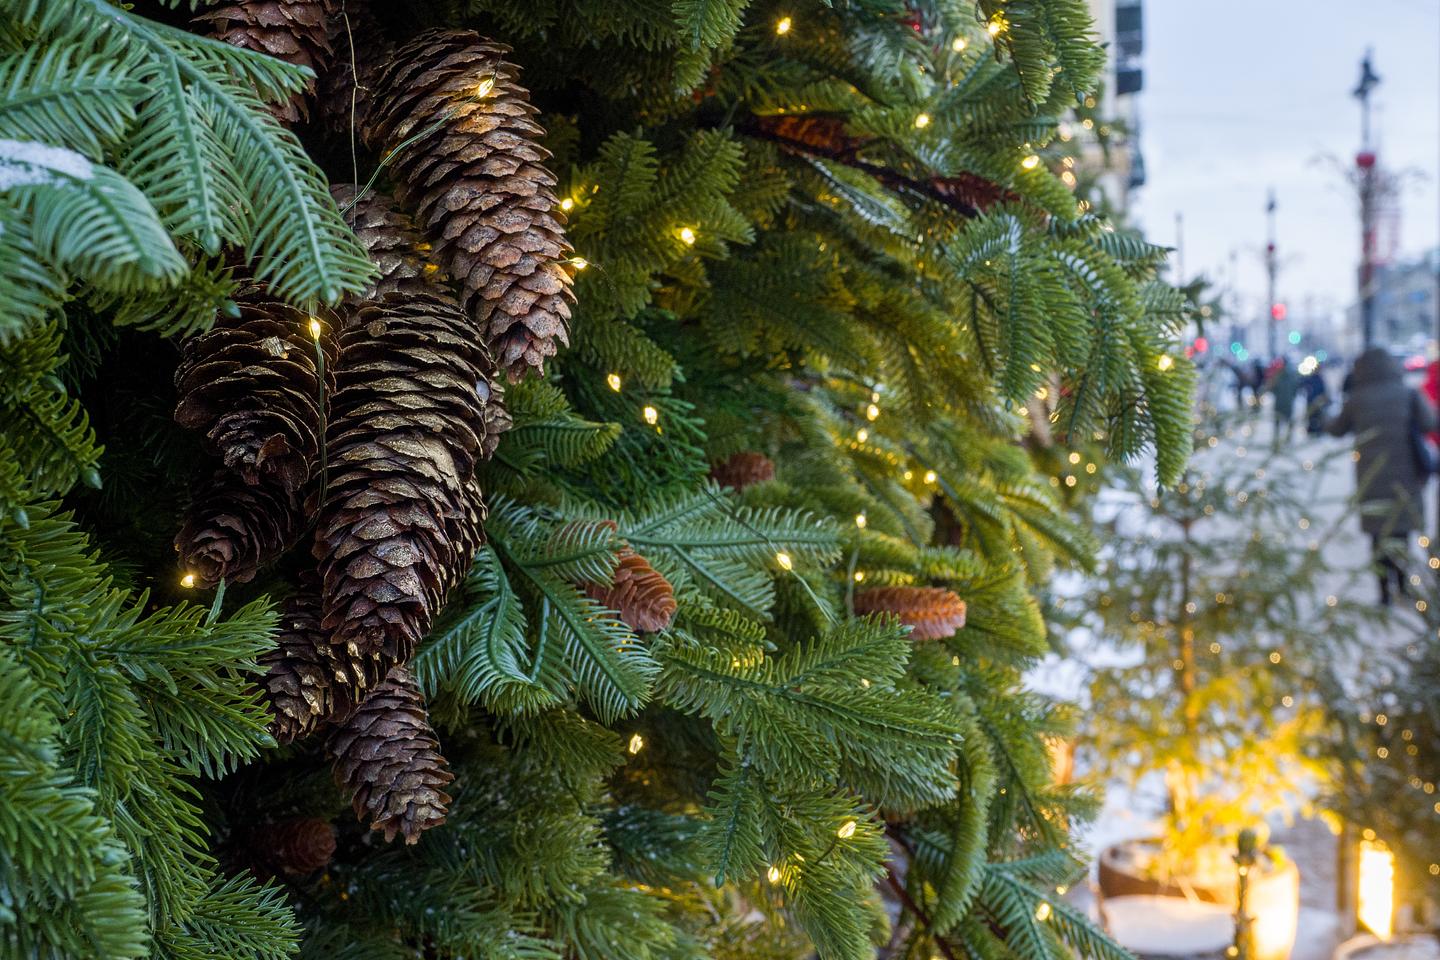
point(1175, 918)
point(1415, 946)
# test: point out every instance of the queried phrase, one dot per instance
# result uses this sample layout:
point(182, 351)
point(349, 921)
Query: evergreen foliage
point(880, 298)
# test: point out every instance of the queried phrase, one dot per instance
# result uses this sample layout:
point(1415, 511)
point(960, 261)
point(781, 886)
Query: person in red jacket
point(1432, 391)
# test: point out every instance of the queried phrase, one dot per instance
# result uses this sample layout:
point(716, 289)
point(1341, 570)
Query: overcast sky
point(1243, 95)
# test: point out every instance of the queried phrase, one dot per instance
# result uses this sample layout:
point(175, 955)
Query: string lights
point(687, 236)
point(612, 380)
point(958, 44)
point(922, 120)
point(1030, 162)
point(637, 743)
point(782, 26)
point(188, 581)
point(652, 416)
point(783, 558)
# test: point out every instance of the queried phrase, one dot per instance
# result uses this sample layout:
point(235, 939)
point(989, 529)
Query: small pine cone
point(292, 30)
point(932, 612)
point(474, 173)
point(251, 385)
point(389, 236)
point(310, 682)
point(232, 529)
point(356, 38)
point(402, 515)
point(295, 847)
point(638, 592)
point(388, 758)
point(744, 469)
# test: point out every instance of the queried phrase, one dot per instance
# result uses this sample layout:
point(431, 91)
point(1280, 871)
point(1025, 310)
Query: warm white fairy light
point(859, 576)
point(930, 476)
point(579, 263)
point(652, 416)
point(773, 874)
point(995, 26)
point(314, 328)
point(1030, 162)
point(872, 412)
point(862, 435)
point(922, 120)
point(613, 381)
point(860, 520)
point(783, 25)
point(784, 560)
point(187, 581)
point(958, 44)
point(847, 830)
point(687, 236)
point(1042, 912)
point(567, 204)
point(637, 743)
point(484, 88)
point(1165, 362)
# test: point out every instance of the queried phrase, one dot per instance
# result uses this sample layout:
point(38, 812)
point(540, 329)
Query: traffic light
point(1278, 311)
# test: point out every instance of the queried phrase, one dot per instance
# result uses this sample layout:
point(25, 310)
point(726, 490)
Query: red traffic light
point(1365, 160)
point(1278, 311)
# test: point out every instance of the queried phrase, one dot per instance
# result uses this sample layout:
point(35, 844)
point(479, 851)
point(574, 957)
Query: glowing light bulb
point(931, 476)
point(1165, 362)
point(1031, 162)
point(847, 830)
point(314, 328)
point(860, 520)
point(567, 204)
point(784, 560)
point(1042, 912)
point(957, 44)
point(773, 874)
point(995, 26)
point(859, 576)
point(871, 412)
point(782, 26)
point(652, 416)
point(687, 236)
point(909, 474)
point(637, 743)
point(579, 263)
point(187, 581)
point(484, 88)
point(862, 435)
point(612, 380)
point(922, 120)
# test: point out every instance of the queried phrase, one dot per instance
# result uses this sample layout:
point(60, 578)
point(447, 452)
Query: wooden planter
point(1174, 918)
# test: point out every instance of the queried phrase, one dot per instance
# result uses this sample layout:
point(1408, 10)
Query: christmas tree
point(1220, 639)
point(588, 518)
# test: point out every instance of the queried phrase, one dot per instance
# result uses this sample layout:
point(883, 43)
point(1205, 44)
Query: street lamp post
point(1271, 267)
point(1365, 163)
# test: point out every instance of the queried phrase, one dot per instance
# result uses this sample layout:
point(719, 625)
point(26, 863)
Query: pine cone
point(744, 469)
point(232, 529)
point(638, 592)
point(292, 30)
point(932, 612)
point(389, 236)
point(388, 758)
point(251, 385)
point(356, 38)
point(402, 515)
point(310, 682)
point(295, 847)
point(475, 177)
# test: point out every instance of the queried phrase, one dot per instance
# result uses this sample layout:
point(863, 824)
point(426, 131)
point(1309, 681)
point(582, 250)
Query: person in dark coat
point(1385, 415)
point(1317, 399)
point(1284, 386)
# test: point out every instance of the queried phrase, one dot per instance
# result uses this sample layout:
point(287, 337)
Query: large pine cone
point(388, 758)
point(402, 514)
point(252, 386)
point(475, 176)
point(310, 682)
point(638, 592)
point(292, 30)
point(232, 528)
point(933, 613)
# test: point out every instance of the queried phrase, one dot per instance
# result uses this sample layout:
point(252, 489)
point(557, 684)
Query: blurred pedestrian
point(1317, 399)
point(1432, 390)
point(1283, 385)
point(1390, 422)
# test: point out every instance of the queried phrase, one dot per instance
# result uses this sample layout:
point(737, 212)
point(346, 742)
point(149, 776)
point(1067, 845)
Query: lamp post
point(1365, 162)
point(1271, 268)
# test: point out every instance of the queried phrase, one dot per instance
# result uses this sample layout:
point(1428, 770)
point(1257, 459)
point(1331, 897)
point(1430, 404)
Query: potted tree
point(1210, 612)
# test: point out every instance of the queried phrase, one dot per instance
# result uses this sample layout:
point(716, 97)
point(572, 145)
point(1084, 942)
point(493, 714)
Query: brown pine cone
point(389, 236)
point(475, 176)
point(310, 682)
point(294, 847)
point(388, 758)
point(402, 515)
point(356, 38)
point(292, 30)
point(638, 592)
point(251, 385)
point(232, 528)
point(744, 469)
point(932, 612)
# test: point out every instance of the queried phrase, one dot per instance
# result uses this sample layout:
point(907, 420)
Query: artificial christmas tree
point(759, 769)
